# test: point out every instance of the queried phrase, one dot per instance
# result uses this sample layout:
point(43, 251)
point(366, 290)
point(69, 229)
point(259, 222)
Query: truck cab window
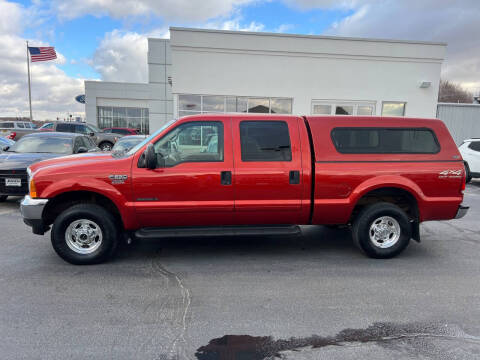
point(192, 142)
point(265, 141)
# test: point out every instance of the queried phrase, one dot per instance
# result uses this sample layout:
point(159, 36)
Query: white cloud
point(52, 90)
point(454, 22)
point(234, 24)
point(186, 10)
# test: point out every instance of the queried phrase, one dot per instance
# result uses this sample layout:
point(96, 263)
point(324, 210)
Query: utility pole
point(29, 86)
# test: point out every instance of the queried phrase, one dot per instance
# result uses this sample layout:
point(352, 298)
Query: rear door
point(268, 170)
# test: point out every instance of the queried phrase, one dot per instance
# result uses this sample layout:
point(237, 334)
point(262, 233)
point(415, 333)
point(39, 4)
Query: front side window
point(20, 126)
point(265, 141)
point(192, 142)
point(47, 126)
point(393, 108)
point(385, 141)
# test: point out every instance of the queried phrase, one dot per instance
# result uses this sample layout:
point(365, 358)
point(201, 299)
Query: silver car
point(14, 130)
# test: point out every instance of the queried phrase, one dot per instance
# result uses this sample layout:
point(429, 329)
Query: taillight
point(464, 179)
point(12, 136)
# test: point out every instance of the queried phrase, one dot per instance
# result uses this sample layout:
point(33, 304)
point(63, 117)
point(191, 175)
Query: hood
point(17, 161)
point(78, 158)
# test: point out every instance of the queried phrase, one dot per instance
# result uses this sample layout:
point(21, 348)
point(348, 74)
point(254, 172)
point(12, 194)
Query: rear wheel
point(468, 174)
point(3, 198)
point(84, 234)
point(382, 230)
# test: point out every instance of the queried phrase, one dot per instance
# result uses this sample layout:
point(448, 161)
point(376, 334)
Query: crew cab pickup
point(211, 175)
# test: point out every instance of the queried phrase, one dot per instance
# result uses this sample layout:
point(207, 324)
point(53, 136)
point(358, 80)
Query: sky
point(107, 39)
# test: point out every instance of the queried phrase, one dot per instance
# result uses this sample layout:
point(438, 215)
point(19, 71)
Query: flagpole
point(29, 86)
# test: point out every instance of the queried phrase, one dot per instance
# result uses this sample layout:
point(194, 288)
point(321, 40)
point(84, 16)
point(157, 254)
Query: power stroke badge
point(118, 179)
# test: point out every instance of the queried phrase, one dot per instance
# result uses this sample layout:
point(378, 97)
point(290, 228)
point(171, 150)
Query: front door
point(194, 187)
point(268, 170)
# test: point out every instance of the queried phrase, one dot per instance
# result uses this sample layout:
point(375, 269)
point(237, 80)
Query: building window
point(201, 104)
point(393, 108)
point(124, 117)
point(338, 107)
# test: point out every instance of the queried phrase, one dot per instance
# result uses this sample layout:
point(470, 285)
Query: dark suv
point(104, 141)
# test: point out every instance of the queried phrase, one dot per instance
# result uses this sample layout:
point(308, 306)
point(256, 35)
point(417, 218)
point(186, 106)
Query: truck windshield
point(147, 140)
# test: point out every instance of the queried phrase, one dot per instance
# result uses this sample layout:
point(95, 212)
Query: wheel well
point(59, 203)
point(402, 198)
point(106, 142)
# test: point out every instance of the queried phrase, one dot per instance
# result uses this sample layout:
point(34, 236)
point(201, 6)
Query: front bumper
point(462, 211)
point(32, 210)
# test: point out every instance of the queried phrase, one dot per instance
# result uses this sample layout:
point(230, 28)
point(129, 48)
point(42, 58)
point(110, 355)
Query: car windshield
point(148, 139)
point(93, 128)
point(43, 144)
point(126, 143)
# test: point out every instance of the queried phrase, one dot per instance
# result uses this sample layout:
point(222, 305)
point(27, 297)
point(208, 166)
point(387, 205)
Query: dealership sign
point(80, 99)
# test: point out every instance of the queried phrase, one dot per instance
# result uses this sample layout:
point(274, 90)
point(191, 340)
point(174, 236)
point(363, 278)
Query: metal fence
point(463, 120)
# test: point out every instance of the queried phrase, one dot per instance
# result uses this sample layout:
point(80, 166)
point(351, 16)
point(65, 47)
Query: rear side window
point(80, 129)
point(385, 141)
point(20, 126)
point(65, 127)
point(265, 141)
point(474, 145)
point(6, 125)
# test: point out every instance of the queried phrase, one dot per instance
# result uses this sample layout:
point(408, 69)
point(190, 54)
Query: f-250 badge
point(118, 179)
point(450, 174)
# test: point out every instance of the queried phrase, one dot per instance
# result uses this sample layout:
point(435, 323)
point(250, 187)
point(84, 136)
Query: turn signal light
point(33, 189)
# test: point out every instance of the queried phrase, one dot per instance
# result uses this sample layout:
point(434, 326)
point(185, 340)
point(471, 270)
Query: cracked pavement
point(168, 299)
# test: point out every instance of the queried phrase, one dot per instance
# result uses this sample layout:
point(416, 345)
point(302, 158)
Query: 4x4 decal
point(450, 174)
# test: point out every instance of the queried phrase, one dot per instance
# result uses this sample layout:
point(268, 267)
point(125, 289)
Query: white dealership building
point(216, 71)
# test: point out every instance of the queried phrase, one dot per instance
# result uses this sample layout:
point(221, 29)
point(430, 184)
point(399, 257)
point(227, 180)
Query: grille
point(14, 190)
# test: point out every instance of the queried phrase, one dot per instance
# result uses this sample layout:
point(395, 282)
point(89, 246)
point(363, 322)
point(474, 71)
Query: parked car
point(105, 141)
point(125, 143)
point(33, 148)
point(15, 130)
point(470, 150)
point(215, 175)
point(5, 142)
point(121, 131)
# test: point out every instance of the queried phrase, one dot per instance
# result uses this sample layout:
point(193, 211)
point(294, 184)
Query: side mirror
point(5, 148)
point(82, 150)
point(150, 157)
point(92, 134)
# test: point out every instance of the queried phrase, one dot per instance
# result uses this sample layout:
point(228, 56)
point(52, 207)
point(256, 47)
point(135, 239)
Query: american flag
point(42, 53)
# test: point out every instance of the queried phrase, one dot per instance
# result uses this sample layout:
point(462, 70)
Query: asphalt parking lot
point(309, 297)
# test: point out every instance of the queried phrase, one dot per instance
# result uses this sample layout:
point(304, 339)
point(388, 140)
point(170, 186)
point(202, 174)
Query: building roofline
point(114, 82)
point(324, 37)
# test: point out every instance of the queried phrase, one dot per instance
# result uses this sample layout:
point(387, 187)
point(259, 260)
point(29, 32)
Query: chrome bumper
point(462, 211)
point(32, 209)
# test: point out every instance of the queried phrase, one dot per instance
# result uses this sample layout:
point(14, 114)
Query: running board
point(209, 231)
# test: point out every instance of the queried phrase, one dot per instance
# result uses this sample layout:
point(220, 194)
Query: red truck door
point(195, 185)
point(268, 170)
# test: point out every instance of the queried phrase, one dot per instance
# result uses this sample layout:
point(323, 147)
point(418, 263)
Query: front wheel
point(382, 230)
point(84, 234)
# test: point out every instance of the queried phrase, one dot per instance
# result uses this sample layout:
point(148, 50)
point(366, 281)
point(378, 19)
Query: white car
point(470, 150)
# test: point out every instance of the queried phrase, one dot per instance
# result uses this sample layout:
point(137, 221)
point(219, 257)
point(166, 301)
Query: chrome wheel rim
point(83, 236)
point(384, 232)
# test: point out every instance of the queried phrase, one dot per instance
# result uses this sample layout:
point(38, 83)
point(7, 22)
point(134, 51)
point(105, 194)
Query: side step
point(209, 231)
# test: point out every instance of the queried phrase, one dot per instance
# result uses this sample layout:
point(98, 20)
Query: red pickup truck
point(210, 175)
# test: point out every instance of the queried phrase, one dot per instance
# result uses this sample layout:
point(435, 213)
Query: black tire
point(468, 174)
point(3, 198)
point(106, 146)
point(362, 227)
point(97, 215)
